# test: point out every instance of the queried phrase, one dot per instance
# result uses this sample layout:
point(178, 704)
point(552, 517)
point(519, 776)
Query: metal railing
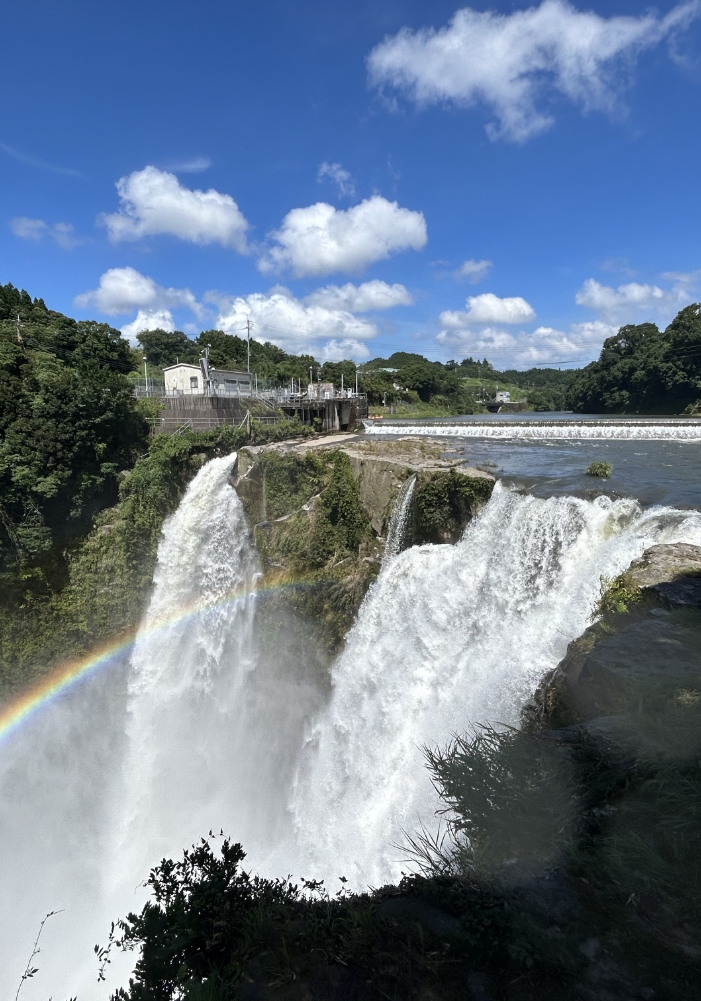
point(270, 398)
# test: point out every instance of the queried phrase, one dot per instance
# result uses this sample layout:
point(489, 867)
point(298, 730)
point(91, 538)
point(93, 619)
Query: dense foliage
point(69, 424)
point(644, 370)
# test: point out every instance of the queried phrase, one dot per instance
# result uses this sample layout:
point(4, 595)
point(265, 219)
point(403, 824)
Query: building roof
point(214, 369)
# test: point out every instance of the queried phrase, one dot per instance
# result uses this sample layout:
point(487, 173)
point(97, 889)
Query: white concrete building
point(320, 391)
point(190, 380)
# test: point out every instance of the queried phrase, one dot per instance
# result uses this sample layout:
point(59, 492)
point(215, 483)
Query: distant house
point(502, 397)
point(190, 380)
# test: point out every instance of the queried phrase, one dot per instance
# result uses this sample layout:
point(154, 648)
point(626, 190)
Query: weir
point(538, 429)
point(202, 730)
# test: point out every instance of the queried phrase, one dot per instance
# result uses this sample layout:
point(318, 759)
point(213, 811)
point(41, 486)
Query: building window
point(194, 382)
point(230, 384)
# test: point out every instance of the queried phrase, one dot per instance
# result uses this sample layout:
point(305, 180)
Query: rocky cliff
point(320, 510)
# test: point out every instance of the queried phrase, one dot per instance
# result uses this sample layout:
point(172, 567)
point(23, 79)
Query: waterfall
point(192, 655)
point(398, 521)
point(203, 729)
point(213, 726)
point(449, 636)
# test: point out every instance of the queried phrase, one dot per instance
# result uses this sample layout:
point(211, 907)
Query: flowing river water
point(200, 729)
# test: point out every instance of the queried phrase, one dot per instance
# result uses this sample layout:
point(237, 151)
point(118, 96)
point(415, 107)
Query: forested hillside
point(644, 370)
point(83, 490)
point(68, 425)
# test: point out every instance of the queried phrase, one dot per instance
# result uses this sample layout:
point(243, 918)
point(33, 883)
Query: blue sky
point(357, 178)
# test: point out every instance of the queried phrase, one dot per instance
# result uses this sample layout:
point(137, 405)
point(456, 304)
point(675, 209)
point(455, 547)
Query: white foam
point(667, 430)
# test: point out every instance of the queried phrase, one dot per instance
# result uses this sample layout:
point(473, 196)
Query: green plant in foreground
point(599, 468)
point(617, 596)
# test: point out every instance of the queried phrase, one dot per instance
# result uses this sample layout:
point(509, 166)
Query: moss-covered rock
point(320, 512)
point(445, 502)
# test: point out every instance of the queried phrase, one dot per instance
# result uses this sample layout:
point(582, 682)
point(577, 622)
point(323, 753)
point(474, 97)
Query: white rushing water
point(205, 730)
point(396, 529)
point(539, 430)
point(449, 636)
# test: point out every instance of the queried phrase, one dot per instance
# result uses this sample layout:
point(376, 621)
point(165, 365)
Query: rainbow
point(67, 675)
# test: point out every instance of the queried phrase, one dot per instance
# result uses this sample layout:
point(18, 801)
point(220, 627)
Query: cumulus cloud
point(61, 233)
point(156, 319)
point(361, 298)
point(544, 345)
point(321, 239)
point(479, 332)
point(635, 302)
point(298, 327)
point(154, 202)
point(489, 308)
point(339, 176)
point(122, 290)
point(506, 61)
point(473, 271)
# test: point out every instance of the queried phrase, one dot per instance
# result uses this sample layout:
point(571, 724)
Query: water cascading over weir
point(206, 731)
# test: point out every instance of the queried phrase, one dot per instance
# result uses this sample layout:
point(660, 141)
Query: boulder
point(648, 646)
point(672, 572)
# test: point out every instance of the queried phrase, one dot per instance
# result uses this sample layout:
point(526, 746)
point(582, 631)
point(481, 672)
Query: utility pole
point(248, 332)
point(146, 375)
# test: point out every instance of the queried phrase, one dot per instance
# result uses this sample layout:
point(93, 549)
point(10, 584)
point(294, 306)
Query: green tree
point(331, 371)
point(641, 370)
point(69, 424)
point(164, 347)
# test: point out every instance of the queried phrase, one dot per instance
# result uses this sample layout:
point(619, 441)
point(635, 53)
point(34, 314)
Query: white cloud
point(296, 326)
point(543, 345)
point(473, 271)
point(361, 298)
point(122, 290)
point(158, 319)
point(28, 229)
point(338, 175)
point(320, 239)
point(153, 202)
point(194, 166)
point(62, 233)
point(489, 308)
point(505, 61)
point(634, 302)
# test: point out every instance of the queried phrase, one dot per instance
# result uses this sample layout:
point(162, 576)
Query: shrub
point(599, 468)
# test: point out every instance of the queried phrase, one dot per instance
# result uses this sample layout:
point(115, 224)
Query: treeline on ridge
point(404, 377)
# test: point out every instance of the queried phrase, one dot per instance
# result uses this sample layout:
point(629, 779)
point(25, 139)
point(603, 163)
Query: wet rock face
point(448, 493)
point(656, 640)
point(657, 647)
point(672, 572)
point(664, 564)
